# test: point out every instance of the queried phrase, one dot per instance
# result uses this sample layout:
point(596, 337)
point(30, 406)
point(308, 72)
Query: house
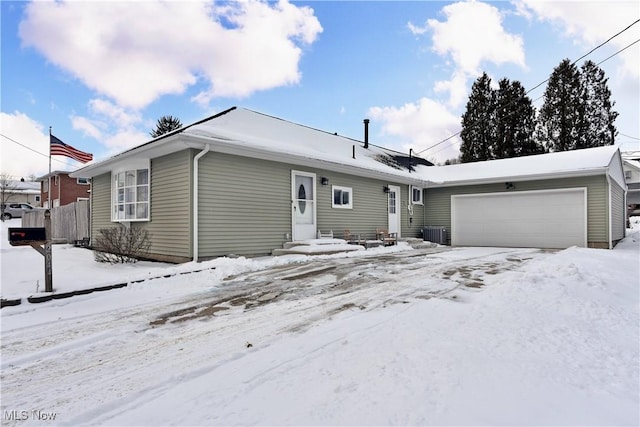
point(631, 165)
point(553, 200)
point(22, 192)
point(64, 189)
point(246, 183)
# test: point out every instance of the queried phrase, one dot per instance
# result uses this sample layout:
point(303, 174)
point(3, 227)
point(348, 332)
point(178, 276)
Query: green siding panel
point(170, 224)
point(618, 212)
point(438, 201)
point(100, 204)
point(245, 205)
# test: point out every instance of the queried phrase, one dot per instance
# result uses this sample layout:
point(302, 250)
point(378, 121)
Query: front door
point(394, 209)
point(304, 205)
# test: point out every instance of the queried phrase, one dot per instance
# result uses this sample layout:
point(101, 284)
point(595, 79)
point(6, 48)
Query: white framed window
point(82, 181)
point(342, 197)
point(627, 175)
point(130, 194)
point(37, 199)
point(416, 195)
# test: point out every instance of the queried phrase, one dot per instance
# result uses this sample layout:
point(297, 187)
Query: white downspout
point(610, 210)
point(196, 230)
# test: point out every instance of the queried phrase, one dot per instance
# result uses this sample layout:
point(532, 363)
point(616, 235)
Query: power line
point(31, 149)
point(543, 82)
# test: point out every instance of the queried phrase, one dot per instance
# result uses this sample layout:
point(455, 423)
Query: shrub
point(121, 245)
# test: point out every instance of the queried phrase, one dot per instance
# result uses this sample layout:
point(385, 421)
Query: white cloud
point(592, 23)
point(423, 124)
point(113, 126)
point(135, 52)
point(25, 147)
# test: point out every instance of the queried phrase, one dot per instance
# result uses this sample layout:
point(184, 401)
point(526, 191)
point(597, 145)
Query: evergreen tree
point(165, 124)
point(514, 122)
point(596, 126)
point(560, 116)
point(478, 131)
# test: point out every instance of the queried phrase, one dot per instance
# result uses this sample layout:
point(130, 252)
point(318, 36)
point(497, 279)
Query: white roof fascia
point(616, 170)
point(147, 151)
point(520, 178)
point(228, 146)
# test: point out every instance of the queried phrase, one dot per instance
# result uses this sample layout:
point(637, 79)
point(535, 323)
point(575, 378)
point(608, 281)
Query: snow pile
point(441, 336)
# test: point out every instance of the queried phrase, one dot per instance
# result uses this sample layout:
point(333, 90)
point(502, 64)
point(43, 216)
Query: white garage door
point(526, 219)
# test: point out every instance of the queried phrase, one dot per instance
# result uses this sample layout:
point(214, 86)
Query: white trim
point(348, 190)
point(398, 213)
point(87, 181)
point(311, 175)
point(421, 192)
point(140, 164)
point(196, 184)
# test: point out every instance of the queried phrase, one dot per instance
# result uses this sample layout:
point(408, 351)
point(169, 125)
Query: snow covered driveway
point(430, 336)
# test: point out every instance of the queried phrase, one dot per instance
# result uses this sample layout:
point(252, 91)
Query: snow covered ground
point(400, 336)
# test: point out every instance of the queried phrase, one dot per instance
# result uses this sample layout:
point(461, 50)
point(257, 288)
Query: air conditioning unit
point(435, 234)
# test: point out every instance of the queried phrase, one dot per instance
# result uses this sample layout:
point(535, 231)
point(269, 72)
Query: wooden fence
point(69, 222)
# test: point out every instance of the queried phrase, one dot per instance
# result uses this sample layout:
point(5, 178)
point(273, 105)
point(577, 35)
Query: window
point(82, 181)
point(627, 175)
point(131, 195)
point(342, 197)
point(416, 195)
point(37, 199)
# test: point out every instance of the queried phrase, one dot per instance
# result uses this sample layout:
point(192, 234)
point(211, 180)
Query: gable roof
point(244, 132)
point(589, 161)
point(248, 133)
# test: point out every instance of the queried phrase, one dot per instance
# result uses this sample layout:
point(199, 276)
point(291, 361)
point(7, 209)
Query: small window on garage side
point(342, 197)
point(82, 181)
point(416, 195)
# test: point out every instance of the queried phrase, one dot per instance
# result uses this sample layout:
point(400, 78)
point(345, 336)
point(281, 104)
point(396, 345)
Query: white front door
point(304, 205)
point(393, 204)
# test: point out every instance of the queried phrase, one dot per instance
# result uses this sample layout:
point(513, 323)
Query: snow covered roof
point(244, 132)
point(248, 133)
point(590, 161)
point(23, 187)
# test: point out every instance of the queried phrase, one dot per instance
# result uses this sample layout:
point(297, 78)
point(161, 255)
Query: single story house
point(245, 183)
point(21, 191)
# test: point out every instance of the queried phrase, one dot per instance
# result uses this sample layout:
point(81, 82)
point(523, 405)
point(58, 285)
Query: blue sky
point(101, 73)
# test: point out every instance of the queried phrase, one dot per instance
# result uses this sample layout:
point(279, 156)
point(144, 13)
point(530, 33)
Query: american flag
point(59, 148)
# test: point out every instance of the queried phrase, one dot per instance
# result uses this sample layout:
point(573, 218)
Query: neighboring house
point(23, 192)
point(245, 183)
point(64, 189)
point(631, 164)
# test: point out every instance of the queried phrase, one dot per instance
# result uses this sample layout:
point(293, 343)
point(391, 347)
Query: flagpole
point(49, 185)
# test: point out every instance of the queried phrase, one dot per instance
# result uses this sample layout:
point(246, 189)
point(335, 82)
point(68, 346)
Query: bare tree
point(7, 187)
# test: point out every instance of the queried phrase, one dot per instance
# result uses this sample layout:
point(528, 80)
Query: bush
point(121, 245)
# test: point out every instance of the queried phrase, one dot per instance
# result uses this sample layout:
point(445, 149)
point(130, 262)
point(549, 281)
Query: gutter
point(196, 229)
point(518, 178)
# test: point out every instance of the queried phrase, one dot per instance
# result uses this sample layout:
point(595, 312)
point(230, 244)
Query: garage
point(540, 219)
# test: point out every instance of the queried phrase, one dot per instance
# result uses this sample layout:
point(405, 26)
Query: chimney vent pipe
point(366, 133)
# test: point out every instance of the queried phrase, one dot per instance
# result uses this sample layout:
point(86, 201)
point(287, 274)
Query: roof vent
point(366, 133)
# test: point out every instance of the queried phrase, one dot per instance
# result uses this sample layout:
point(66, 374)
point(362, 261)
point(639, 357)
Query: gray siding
point(618, 212)
point(100, 204)
point(245, 205)
point(170, 224)
point(438, 202)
